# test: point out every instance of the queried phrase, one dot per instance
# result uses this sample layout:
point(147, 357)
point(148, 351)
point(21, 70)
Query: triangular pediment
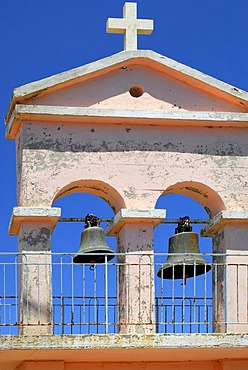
point(105, 84)
point(112, 91)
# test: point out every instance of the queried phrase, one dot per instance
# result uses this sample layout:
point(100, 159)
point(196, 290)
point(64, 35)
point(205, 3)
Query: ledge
point(122, 116)
point(154, 216)
point(224, 218)
point(32, 214)
point(122, 348)
point(116, 348)
point(127, 341)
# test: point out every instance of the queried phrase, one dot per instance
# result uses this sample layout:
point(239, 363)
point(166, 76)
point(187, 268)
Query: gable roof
point(123, 59)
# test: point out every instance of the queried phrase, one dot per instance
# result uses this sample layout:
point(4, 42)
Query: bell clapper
point(185, 279)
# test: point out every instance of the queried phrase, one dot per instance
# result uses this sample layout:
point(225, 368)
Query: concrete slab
point(33, 214)
point(155, 216)
point(124, 348)
point(223, 218)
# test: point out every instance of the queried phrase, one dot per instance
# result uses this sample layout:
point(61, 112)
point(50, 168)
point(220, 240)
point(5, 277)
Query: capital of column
point(33, 214)
point(124, 216)
point(223, 218)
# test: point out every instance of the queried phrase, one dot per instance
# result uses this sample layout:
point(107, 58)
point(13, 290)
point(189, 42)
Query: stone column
point(34, 227)
point(135, 268)
point(229, 230)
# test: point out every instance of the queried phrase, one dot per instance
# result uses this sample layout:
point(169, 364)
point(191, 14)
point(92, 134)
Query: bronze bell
point(93, 242)
point(186, 262)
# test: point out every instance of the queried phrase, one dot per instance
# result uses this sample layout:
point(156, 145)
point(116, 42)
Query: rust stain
point(195, 190)
point(208, 211)
point(34, 95)
point(68, 190)
point(100, 190)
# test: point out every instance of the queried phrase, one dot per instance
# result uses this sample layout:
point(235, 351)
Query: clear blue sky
point(39, 38)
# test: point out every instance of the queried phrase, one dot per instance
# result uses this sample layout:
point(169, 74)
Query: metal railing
point(46, 290)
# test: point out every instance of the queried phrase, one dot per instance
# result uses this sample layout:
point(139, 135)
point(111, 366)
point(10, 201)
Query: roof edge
point(98, 67)
point(83, 115)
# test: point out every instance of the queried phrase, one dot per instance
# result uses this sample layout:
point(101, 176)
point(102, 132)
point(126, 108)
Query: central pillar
point(34, 227)
point(135, 269)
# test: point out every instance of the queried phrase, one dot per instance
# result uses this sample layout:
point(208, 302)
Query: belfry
point(130, 128)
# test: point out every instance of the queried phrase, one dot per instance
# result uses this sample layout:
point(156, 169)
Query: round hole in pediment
point(136, 91)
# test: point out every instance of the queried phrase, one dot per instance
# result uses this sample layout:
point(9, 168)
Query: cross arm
point(145, 26)
point(114, 25)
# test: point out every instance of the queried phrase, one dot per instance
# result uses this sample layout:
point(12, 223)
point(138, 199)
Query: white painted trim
point(37, 214)
point(124, 58)
point(223, 218)
point(122, 116)
point(218, 343)
point(154, 216)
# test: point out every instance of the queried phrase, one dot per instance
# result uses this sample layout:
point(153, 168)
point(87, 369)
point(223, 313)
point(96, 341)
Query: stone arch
point(95, 187)
point(203, 194)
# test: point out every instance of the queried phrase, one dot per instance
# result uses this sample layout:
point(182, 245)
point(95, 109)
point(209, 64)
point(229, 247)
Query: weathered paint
point(83, 131)
point(48, 216)
point(134, 216)
point(211, 343)
point(231, 239)
point(208, 164)
point(228, 351)
point(136, 281)
point(211, 166)
point(35, 278)
point(143, 58)
point(134, 230)
point(161, 92)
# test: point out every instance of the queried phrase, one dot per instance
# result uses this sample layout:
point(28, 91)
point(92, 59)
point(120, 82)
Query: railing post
point(134, 230)
point(229, 230)
point(33, 227)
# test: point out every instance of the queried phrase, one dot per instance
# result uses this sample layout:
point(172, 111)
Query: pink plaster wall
point(57, 155)
point(161, 93)
point(136, 278)
point(131, 166)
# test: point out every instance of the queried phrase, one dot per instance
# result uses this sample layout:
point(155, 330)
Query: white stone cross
point(130, 26)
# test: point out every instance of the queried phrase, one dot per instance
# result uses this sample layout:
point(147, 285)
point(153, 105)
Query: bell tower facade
point(86, 130)
point(170, 148)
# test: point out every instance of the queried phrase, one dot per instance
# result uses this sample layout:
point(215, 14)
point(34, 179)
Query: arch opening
point(78, 289)
point(66, 235)
point(94, 187)
point(201, 193)
point(182, 298)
